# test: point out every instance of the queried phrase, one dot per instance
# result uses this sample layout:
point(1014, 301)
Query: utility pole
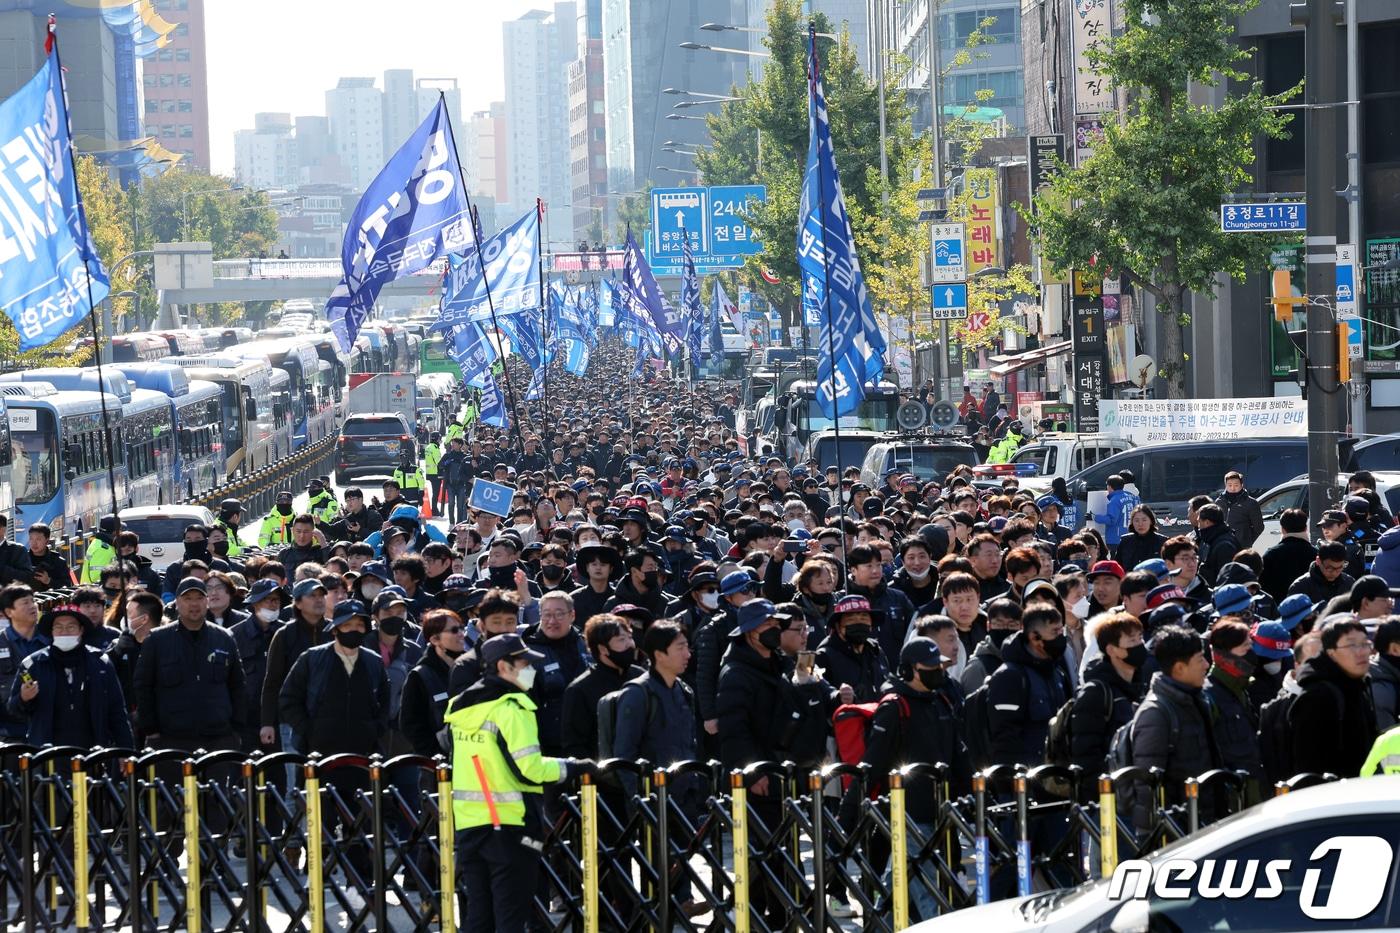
point(1358, 367)
point(1320, 52)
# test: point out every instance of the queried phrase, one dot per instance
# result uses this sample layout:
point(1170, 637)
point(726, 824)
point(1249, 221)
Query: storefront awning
point(1009, 363)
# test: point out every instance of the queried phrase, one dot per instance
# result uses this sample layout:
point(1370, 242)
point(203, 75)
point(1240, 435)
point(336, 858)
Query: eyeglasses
point(453, 630)
point(1359, 647)
point(799, 629)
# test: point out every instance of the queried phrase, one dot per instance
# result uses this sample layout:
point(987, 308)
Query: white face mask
point(1081, 607)
point(918, 576)
point(1273, 667)
point(370, 590)
point(267, 615)
point(525, 677)
point(709, 600)
point(588, 543)
point(67, 642)
point(523, 528)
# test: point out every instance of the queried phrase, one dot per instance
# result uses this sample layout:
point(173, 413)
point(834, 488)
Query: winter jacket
point(1236, 724)
point(1313, 585)
point(656, 723)
point(985, 660)
point(16, 566)
point(930, 733)
point(920, 594)
point(1385, 691)
point(579, 722)
point(1022, 696)
point(1387, 563)
point(455, 470)
point(1217, 546)
point(756, 705)
point(818, 617)
point(286, 646)
point(403, 657)
point(711, 643)
point(865, 670)
point(1333, 721)
point(1173, 730)
point(332, 712)
point(424, 703)
point(254, 642)
point(565, 659)
point(1243, 516)
point(107, 725)
point(588, 602)
point(1134, 548)
point(892, 613)
point(189, 684)
point(60, 575)
point(1285, 562)
point(654, 601)
point(1115, 520)
point(1104, 703)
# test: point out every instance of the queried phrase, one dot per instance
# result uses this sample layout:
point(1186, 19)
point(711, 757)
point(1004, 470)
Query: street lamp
point(687, 93)
point(703, 103)
point(692, 173)
point(684, 152)
point(683, 116)
point(696, 46)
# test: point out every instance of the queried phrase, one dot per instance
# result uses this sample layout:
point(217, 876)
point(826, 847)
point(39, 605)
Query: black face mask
point(1137, 656)
point(858, 634)
point(770, 638)
point(284, 509)
point(349, 639)
point(820, 599)
point(221, 548)
point(502, 576)
point(457, 604)
point(651, 579)
point(552, 572)
point(999, 635)
point(196, 550)
point(623, 659)
point(1056, 647)
point(933, 679)
point(392, 625)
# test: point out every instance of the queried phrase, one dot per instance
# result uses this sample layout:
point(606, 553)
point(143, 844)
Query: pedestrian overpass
point(283, 279)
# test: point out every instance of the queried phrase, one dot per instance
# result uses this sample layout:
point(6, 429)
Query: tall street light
point(695, 46)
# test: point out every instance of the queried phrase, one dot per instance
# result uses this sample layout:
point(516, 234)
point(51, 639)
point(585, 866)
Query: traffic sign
point(1352, 323)
point(949, 301)
point(1269, 217)
point(949, 257)
point(1346, 278)
point(713, 219)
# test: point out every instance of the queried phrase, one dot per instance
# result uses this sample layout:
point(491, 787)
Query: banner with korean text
point(1166, 421)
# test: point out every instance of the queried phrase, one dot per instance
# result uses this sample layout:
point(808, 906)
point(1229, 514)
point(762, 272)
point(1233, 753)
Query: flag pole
point(826, 278)
point(544, 310)
point(51, 43)
point(485, 277)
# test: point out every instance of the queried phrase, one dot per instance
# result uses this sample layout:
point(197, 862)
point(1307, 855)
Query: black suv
point(371, 445)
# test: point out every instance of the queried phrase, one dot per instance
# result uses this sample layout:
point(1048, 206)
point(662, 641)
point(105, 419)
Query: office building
point(266, 156)
point(588, 151)
point(177, 100)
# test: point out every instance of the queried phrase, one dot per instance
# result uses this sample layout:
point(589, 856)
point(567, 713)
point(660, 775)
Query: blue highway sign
point(949, 301)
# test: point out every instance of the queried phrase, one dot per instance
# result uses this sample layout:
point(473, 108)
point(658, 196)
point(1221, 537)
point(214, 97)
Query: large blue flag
point(513, 273)
point(714, 338)
point(576, 357)
point(412, 214)
point(47, 257)
point(473, 352)
point(643, 297)
point(493, 404)
point(852, 349)
point(690, 299)
point(609, 303)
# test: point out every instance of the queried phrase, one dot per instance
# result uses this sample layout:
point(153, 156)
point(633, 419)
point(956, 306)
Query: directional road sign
point(679, 209)
point(949, 301)
point(713, 219)
point(1346, 278)
point(1270, 217)
point(949, 259)
point(730, 234)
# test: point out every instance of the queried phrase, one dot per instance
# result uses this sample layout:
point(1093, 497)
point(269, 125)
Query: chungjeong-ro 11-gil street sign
point(712, 219)
point(1270, 217)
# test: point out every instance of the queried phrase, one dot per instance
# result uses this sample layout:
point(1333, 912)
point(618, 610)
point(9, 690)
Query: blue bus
point(297, 357)
point(197, 408)
point(59, 457)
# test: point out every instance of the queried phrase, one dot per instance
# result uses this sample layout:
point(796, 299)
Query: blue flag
point(513, 272)
point(47, 257)
point(523, 331)
point(609, 303)
point(473, 352)
point(576, 357)
point(412, 214)
point(714, 343)
point(535, 391)
point(493, 404)
point(643, 296)
point(851, 348)
point(690, 299)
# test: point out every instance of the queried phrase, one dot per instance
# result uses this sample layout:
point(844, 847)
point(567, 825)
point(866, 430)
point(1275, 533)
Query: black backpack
point(1120, 747)
point(608, 708)
point(1276, 737)
point(1059, 744)
point(977, 716)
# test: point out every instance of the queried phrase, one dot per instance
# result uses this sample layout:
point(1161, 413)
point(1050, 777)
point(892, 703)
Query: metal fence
point(154, 840)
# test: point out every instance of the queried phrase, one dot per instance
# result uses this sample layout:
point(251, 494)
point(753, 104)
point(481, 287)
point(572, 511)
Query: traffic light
point(1285, 302)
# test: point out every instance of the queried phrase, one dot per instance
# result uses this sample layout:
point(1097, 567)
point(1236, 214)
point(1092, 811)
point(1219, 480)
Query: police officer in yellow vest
point(277, 526)
point(410, 478)
point(321, 503)
point(498, 776)
point(230, 518)
point(1385, 754)
point(101, 550)
point(432, 453)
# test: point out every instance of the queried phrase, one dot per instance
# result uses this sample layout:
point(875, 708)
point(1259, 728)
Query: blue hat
point(754, 613)
point(1271, 640)
point(997, 523)
point(1293, 610)
point(580, 485)
point(1165, 614)
point(676, 533)
point(737, 581)
point(800, 534)
point(262, 590)
point(1155, 566)
point(377, 569)
point(1045, 502)
point(345, 610)
point(798, 471)
point(306, 588)
point(390, 595)
point(456, 581)
point(1231, 598)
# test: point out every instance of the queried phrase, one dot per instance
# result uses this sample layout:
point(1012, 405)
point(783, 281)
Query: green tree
point(194, 206)
point(1146, 203)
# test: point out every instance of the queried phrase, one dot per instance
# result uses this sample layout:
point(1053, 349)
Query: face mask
point(918, 577)
point(392, 625)
point(1137, 656)
point(623, 659)
point(267, 616)
point(221, 548)
point(502, 576)
point(887, 571)
point(370, 590)
point(196, 550)
point(858, 634)
point(1080, 607)
point(998, 635)
point(1055, 647)
point(933, 679)
point(1244, 664)
point(1273, 667)
point(589, 542)
point(770, 638)
point(820, 599)
point(67, 642)
point(523, 528)
point(651, 579)
point(284, 509)
point(552, 572)
point(456, 603)
point(349, 639)
point(709, 600)
point(796, 523)
point(525, 677)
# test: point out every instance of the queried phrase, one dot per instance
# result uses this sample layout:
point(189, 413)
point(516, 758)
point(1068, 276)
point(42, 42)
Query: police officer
point(498, 775)
point(230, 517)
point(277, 526)
point(409, 478)
point(1385, 754)
point(321, 504)
point(432, 454)
point(101, 550)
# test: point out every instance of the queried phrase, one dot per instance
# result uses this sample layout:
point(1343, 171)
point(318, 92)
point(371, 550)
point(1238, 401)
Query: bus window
point(35, 462)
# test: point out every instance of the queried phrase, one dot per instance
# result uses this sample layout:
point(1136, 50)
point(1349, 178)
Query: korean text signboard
point(1045, 154)
point(713, 220)
point(982, 219)
point(1272, 217)
point(1156, 421)
point(1088, 390)
point(1092, 23)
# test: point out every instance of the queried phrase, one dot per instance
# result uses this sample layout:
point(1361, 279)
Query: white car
point(1294, 495)
point(162, 530)
point(1323, 858)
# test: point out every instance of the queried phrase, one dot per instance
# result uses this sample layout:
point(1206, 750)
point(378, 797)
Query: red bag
point(851, 724)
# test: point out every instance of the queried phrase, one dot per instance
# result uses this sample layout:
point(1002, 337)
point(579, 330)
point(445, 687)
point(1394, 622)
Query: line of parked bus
point(187, 409)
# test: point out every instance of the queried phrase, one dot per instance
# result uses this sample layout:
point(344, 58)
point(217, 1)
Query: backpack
point(1120, 747)
point(851, 725)
point(1059, 743)
point(978, 719)
point(608, 708)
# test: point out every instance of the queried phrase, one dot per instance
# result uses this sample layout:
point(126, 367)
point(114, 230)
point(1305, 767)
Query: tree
point(1146, 202)
point(192, 206)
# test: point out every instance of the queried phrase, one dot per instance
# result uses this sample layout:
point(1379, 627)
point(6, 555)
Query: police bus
point(196, 407)
point(297, 357)
point(245, 408)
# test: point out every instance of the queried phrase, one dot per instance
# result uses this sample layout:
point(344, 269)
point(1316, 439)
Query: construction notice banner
point(1160, 421)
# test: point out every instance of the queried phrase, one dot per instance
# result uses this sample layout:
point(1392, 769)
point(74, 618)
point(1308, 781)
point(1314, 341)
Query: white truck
point(384, 392)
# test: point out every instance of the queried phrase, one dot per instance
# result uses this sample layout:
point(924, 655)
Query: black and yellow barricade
point(405, 845)
point(856, 838)
point(46, 853)
point(994, 832)
point(340, 836)
point(102, 881)
point(1136, 790)
point(626, 814)
point(1300, 781)
point(1064, 830)
point(776, 828)
point(928, 869)
point(154, 810)
point(214, 837)
point(12, 829)
point(557, 902)
point(690, 844)
point(1214, 795)
point(273, 840)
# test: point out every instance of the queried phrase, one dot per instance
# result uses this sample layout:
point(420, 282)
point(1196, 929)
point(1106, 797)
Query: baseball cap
point(1230, 598)
point(388, 596)
point(1271, 640)
point(737, 582)
point(849, 604)
point(1157, 567)
point(377, 569)
point(262, 590)
point(920, 650)
point(754, 613)
point(348, 609)
point(1110, 567)
point(190, 583)
point(1294, 609)
point(1333, 517)
point(307, 587)
point(456, 581)
point(500, 647)
point(1356, 505)
point(1170, 591)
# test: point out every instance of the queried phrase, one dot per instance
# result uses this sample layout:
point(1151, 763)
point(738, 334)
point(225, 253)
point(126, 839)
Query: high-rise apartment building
point(266, 155)
point(538, 49)
point(176, 83)
point(588, 150)
point(400, 107)
point(355, 109)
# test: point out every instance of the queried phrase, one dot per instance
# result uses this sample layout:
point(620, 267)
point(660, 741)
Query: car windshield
point(933, 462)
point(158, 529)
point(373, 427)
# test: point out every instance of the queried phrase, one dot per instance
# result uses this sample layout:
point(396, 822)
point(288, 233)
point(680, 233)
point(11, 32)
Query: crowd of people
point(656, 593)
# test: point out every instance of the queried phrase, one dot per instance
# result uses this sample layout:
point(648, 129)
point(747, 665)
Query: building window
point(1006, 86)
point(187, 106)
point(148, 80)
point(1380, 94)
point(184, 80)
point(152, 106)
point(165, 55)
point(1283, 68)
point(182, 55)
point(167, 80)
point(186, 131)
point(955, 28)
point(181, 31)
point(167, 106)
